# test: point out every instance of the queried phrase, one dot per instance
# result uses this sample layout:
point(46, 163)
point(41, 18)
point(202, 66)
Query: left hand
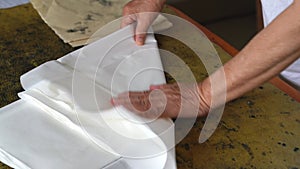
point(144, 13)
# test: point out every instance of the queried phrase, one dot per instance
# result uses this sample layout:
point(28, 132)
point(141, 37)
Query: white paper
point(34, 140)
point(60, 120)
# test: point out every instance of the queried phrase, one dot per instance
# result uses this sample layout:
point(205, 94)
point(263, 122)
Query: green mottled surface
point(25, 42)
point(259, 130)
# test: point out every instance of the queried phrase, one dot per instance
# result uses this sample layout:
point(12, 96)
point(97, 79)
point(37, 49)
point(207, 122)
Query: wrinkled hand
point(143, 12)
point(168, 100)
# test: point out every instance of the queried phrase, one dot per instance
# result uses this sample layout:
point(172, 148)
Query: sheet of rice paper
point(64, 118)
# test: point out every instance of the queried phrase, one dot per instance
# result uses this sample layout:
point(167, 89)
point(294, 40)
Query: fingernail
point(112, 101)
point(153, 87)
point(140, 41)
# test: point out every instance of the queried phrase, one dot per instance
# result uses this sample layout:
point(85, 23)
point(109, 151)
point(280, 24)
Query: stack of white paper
point(64, 118)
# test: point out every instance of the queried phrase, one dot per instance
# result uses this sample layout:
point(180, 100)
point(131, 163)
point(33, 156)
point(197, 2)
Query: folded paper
point(64, 118)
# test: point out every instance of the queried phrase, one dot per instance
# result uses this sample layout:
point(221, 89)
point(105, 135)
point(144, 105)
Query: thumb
point(141, 32)
point(127, 20)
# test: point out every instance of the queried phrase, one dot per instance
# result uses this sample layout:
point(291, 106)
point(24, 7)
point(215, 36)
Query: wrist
point(159, 3)
point(204, 99)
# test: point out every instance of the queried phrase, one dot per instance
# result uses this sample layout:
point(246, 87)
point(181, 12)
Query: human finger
point(127, 20)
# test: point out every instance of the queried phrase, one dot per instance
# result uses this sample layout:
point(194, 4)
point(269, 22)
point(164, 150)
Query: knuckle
point(126, 10)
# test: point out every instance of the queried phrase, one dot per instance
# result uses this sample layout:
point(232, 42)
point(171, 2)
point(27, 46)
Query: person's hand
point(168, 100)
point(143, 12)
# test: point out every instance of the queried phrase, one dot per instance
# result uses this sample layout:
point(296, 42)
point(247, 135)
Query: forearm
point(267, 54)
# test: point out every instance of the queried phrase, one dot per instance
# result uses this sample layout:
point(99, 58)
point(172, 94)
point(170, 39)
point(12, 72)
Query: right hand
point(143, 12)
point(167, 100)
